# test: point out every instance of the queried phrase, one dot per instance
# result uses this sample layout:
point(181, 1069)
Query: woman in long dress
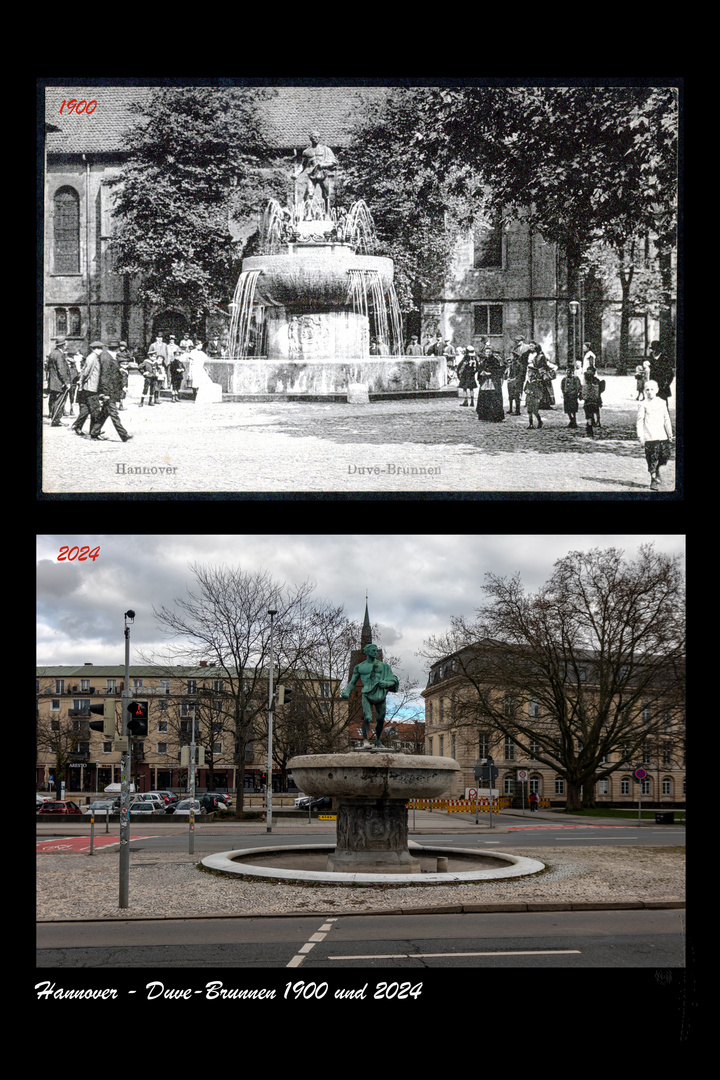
point(489, 396)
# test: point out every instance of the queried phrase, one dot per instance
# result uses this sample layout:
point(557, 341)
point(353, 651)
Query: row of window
point(602, 787)
point(161, 686)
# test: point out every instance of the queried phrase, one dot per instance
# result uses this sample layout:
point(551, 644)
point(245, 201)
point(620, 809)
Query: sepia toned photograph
point(460, 290)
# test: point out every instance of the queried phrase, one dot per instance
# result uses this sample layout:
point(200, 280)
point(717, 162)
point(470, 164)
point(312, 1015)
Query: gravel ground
point(77, 887)
point(411, 445)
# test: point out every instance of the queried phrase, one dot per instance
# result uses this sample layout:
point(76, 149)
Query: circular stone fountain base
point(309, 863)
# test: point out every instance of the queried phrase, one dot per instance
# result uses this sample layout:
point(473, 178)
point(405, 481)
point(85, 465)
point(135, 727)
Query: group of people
point(98, 382)
point(527, 371)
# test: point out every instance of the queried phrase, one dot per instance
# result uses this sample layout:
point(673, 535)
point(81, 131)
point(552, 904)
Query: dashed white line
point(310, 944)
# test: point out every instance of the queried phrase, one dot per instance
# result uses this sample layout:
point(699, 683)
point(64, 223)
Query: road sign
point(522, 774)
point(472, 792)
point(640, 774)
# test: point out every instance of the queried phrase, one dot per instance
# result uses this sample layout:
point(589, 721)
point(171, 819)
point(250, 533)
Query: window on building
point(442, 746)
point(59, 686)
point(508, 785)
point(603, 787)
point(535, 785)
point(162, 726)
point(625, 786)
point(111, 686)
point(645, 786)
point(509, 750)
point(66, 231)
point(162, 748)
point(559, 785)
point(487, 246)
point(68, 322)
point(483, 744)
point(164, 686)
point(533, 708)
point(488, 320)
point(667, 786)
point(191, 686)
point(107, 748)
point(55, 705)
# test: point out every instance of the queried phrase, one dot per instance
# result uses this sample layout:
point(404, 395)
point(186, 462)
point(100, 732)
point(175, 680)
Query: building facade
point(85, 760)
point(521, 774)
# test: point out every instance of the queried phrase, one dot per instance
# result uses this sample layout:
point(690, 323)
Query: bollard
point(442, 864)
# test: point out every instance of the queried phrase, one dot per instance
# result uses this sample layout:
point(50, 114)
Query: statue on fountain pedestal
point(377, 681)
point(316, 171)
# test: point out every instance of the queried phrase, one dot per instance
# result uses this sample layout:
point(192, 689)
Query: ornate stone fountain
point(316, 310)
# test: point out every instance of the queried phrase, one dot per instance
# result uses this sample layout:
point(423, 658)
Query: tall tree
point(224, 622)
point(582, 165)
point(416, 214)
point(193, 160)
point(581, 675)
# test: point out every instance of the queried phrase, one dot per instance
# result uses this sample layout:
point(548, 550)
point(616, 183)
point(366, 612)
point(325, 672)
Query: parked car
point(183, 807)
point(100, 807)
point(221, 796)
point(40, 799)
point(322, 803)
point(117, 788)
point(146, 806)
point(153, 797)
point(56, 808)
point(168, 796)
point(303, 800)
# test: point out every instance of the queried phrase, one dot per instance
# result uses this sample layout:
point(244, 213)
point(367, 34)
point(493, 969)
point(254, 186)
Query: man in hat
point(110, 392)
point(88, 391)
point(414, 348)
point(59, 380)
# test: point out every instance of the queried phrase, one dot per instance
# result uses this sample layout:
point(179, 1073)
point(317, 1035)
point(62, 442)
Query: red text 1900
point(79, 106)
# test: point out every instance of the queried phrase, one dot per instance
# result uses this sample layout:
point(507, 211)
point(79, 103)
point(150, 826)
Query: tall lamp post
point(574, 308)
point(272, 612)
point(125, 772)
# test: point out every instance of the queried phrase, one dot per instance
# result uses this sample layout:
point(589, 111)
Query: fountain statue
point(376, 678)
point(316, 310)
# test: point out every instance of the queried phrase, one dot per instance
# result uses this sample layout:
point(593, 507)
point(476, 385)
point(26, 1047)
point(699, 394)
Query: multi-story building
point(86, 761)
point(520, 773)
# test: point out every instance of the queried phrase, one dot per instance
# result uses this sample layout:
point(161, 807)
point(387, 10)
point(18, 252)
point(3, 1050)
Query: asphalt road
point(616, 939)
point(508, 833)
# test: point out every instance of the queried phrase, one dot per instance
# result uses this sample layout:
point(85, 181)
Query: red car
point(59, 808)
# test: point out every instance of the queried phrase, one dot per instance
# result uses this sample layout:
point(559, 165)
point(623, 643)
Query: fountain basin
point(373, 775)
point(315, 276)
point(308, 863)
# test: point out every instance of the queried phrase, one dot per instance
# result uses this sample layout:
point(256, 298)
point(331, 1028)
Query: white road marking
point(421, 956)
point(309, 945)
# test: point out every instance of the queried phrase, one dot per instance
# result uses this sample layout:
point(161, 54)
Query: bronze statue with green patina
point(377, 680)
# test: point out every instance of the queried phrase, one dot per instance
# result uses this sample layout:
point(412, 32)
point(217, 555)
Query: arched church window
point(66, 231)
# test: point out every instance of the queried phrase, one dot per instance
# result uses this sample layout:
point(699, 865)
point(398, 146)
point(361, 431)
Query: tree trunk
point(573, 801)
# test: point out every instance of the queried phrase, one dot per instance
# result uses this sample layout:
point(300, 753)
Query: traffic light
point(137, 725)
point(284, 694)
point(107, 724)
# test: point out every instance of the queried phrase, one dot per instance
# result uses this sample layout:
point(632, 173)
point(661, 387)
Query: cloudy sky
point(414, 583)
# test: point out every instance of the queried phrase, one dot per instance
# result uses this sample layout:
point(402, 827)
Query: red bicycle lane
point(76, 844)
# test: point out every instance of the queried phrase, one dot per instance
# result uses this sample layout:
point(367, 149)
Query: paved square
point(412, 445)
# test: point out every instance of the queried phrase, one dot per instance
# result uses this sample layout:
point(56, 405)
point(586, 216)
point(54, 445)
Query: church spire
point(366, 636)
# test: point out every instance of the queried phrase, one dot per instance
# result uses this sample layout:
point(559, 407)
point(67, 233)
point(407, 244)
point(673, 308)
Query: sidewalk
point(413, 445)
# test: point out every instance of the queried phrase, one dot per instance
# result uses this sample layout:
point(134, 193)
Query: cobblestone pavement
point(412, 445)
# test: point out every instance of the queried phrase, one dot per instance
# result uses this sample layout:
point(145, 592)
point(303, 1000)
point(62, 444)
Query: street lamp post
point(272, 612)
point(574, 308)
point(125, 773)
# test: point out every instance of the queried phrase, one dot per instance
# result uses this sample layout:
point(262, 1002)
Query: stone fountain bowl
point(373, 774)
point(314, 276)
